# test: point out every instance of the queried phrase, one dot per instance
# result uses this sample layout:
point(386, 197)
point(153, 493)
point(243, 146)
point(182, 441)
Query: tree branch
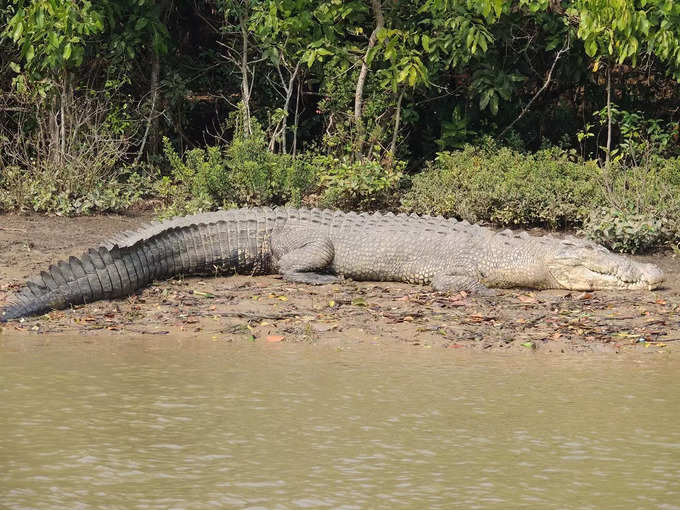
point(379, 24)
point(540, 91)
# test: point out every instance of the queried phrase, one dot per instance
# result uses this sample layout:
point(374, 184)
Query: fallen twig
point(249, 315)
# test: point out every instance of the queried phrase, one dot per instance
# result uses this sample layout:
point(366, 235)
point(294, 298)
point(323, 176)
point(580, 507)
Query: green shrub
point(42, 191)
point(506, 187)
point(243, 174)
point(627, 232)
point(643, 211)
point(365, 185)
point(198, 182)
point(260, 177)
point(649, 189)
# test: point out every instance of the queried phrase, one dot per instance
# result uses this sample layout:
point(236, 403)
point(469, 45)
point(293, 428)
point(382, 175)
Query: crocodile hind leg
point(306, 263)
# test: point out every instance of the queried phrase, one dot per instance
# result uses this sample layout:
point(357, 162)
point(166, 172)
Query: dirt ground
point(268, 309)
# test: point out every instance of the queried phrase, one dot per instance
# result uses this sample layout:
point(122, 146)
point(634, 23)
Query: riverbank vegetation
point(562, 114)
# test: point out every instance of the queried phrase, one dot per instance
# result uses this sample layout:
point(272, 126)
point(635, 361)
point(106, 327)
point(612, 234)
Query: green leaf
point(18, 31)
point(403, 74)
point(15, 67)
point(67, 51)
point(470, 40)
point(30, 53)
point(591, 47)
point(494, 104)
point(484, 100)
point(412, 77)
point(482, 42)
point(498, 7)
point(426, 43)
point(141, 23)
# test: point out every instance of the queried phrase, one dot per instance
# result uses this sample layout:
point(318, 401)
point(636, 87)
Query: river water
point(173, 423)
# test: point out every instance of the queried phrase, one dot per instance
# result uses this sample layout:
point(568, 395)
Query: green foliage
point(55, 193)
point(626, 29)
point(505, 187)
point(259, 177)
point(142, 27)
point(52, 33)
point(642, 209)
point(363, 186)
point(627, 232)
point(493, 86)
point(198, 182)
point(246, 174)
point(455, 132)
point(642, 140)
point(243, 174)
point(438, 72)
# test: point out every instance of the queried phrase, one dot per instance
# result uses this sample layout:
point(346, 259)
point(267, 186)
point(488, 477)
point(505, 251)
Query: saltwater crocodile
point(317, 246)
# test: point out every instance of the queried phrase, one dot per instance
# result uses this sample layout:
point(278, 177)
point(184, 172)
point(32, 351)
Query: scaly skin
point(316, 246)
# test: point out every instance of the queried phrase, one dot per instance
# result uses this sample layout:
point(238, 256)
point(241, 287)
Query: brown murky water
point(174, 423)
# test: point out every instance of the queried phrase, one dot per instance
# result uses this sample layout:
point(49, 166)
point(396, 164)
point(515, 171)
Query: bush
point(243, 174)
point(365, 185)
point(81, 174)
point(643, 211)
point(627, 232)
point(506, 187)
point(39, 191)
point(647, 189)
point(260, 177)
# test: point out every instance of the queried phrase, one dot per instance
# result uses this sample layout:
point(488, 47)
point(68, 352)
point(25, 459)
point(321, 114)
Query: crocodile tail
point(100, 273)
point(135, 259)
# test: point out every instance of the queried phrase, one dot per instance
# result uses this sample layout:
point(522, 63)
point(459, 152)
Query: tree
point(285, 31)
point(238, 50)
point(52, 37)
point(142, 35)
point(618, 31)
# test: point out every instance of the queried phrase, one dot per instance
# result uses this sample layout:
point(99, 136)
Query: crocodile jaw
point(598, 269)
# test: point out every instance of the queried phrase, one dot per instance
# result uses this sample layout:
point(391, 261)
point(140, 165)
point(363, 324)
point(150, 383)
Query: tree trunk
point(359, 93)
point(154, 135)
point(609, 113)
point(397, 120)
point(151, 131)
point(245, 86)
point(63, 106)
point(55, 144)
point(289, 95)
point(295, 125)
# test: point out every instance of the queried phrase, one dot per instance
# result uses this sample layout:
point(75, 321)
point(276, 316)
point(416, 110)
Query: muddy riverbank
point(268, 309)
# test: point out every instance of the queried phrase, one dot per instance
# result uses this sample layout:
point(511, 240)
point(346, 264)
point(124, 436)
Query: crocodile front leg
point(456, 283)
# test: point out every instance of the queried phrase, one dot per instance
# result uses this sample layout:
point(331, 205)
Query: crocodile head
point(593, 267)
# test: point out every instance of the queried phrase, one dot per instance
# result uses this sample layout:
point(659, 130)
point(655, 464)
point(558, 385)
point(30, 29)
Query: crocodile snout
point(653, 275)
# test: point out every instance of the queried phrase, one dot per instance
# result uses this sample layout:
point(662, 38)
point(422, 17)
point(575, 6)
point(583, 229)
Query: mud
point(268, 309)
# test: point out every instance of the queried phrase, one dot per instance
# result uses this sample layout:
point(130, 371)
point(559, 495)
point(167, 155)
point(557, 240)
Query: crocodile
point(316, 246)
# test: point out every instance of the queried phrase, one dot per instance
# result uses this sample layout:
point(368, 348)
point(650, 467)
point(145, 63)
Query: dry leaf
point(527, 298)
